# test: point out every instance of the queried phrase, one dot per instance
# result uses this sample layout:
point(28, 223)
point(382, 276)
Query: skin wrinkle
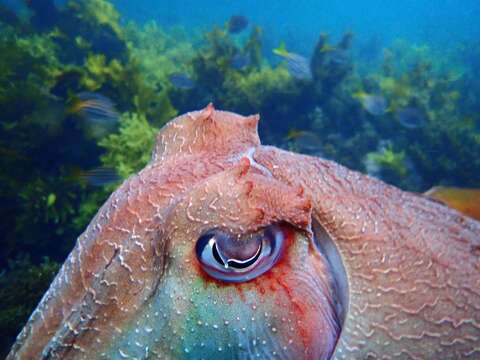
point(133, 288)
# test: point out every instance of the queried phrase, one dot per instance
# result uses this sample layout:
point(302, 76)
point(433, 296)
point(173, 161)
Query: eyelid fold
point(238, 200)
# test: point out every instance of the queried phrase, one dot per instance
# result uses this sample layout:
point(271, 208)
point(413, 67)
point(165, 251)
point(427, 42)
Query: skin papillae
point(404, 280)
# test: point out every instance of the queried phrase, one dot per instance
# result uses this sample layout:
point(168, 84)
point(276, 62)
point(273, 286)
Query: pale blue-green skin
point(192, 318)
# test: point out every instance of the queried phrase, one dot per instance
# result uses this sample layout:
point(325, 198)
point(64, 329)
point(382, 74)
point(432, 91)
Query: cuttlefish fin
point(206, 113)
point(466, 201)
point(221, 132)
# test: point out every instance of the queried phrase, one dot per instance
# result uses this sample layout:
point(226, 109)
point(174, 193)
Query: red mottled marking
point(240, 292)
point(268, 284)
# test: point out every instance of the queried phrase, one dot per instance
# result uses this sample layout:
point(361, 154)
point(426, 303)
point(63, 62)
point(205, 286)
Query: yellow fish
point(467, 201)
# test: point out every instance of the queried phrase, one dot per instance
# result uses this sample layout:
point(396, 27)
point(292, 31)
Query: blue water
point(439, 22)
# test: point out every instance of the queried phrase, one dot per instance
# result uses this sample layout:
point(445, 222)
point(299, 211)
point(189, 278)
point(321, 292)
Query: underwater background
point(388, 88)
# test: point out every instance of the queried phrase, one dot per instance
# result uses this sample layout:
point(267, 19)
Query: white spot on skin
point(123, 354)
point(249, 155)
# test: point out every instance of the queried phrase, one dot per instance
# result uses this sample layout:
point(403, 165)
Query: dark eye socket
point(236, 259)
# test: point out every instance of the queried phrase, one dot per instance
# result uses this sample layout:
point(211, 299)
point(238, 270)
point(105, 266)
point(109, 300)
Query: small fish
point(181, 81)
point(327, 48)
point(375, 105)
point(240, 61)
point(411, 117)
point(99, 176)
point(97, 114)
point(466, 201)
point(236, 24)
point(298, 66)
point(94, 108)
point(306, 142)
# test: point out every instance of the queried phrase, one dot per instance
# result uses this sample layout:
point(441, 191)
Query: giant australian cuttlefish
point(223, 248)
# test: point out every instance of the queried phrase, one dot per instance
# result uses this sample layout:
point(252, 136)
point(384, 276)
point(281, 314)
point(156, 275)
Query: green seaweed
point(389, 160)
point(21, 288)
point(331, 64)
point(129, 150)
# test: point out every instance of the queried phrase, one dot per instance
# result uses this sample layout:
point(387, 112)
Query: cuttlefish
point(223, 248)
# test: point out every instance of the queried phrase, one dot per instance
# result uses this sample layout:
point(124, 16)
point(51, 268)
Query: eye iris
point(241, 264)
point(237, 259)
point(241, 248)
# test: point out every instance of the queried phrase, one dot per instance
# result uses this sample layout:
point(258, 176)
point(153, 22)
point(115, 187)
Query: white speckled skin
point(131, 288)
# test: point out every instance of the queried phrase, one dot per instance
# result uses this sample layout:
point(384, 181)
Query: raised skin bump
point(403, 279)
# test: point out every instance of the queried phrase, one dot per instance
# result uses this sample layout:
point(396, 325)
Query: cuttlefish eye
point(239, 258)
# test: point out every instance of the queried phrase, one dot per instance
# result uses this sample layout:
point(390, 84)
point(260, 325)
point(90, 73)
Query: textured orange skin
point(413, 265)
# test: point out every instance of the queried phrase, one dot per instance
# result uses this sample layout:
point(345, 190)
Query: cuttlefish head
point(222, 248)
point(203, 254)
point(243, 277)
